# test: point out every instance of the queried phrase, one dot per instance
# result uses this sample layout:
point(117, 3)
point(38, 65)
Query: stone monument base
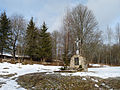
point(78, 63)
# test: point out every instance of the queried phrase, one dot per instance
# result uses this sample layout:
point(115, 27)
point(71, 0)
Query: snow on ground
point(96, 85)
point(103, 72)
point(98, 65)
point(18, 69)
point(94, 64)
point(7, 68)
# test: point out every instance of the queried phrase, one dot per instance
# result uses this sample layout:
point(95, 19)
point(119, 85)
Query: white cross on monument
point(77, 44)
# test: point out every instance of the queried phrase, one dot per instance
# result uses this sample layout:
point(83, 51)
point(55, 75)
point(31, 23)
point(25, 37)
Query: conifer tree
point(5, 33)
point(45, 44)
point(31, 38)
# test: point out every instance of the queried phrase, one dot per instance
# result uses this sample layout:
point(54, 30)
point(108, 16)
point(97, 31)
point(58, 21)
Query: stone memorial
point(78, 62)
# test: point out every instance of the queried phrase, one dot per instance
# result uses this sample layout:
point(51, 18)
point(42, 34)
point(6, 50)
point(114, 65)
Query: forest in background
point(18, 37)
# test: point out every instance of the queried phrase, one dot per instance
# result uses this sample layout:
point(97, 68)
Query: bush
point(63, 68)
point(80, 66)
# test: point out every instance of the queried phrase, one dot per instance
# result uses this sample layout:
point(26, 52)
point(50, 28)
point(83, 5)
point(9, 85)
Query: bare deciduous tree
point(118, 33)
point(55, 44)
point(109, 37)
point(18, 30)
point(80, 23)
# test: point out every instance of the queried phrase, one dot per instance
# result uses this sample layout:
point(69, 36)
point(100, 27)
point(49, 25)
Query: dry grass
point(113, 82)
point(24, 62)
point(6, 68)
point(7, 76)
point(0, 60)
point(43, 81)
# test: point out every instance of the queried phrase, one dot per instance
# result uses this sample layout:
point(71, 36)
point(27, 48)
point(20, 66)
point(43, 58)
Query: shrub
point(80, 66)
point(63, 68)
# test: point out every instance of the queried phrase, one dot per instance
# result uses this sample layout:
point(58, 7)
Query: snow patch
point(11, 85)
point(94, 64)
point(94, 80)
point(96, 85)
point(103, 72)
point(20, 69)
point(84, 79)
point(103, 84)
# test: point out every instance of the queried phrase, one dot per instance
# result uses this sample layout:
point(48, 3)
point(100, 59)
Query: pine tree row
point(5, 33)
point(38, 42)
point(15, 38)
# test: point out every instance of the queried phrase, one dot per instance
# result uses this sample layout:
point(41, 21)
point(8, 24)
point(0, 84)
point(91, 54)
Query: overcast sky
point(107, 12)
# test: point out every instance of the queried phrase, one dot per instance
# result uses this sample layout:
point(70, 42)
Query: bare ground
point(43, 81)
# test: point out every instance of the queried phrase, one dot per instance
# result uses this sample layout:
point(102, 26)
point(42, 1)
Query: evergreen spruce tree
point(5, 33)
point(45, 44)
point(31, 40)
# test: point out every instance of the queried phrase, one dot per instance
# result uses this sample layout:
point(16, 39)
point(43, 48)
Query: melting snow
point(103, 72)
point(94, 80)
point(94, 64)
point(96, 85)
point(83, 78)
point(19, 69)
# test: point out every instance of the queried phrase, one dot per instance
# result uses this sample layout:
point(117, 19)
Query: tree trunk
point(2, 51)
point(14, 49)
